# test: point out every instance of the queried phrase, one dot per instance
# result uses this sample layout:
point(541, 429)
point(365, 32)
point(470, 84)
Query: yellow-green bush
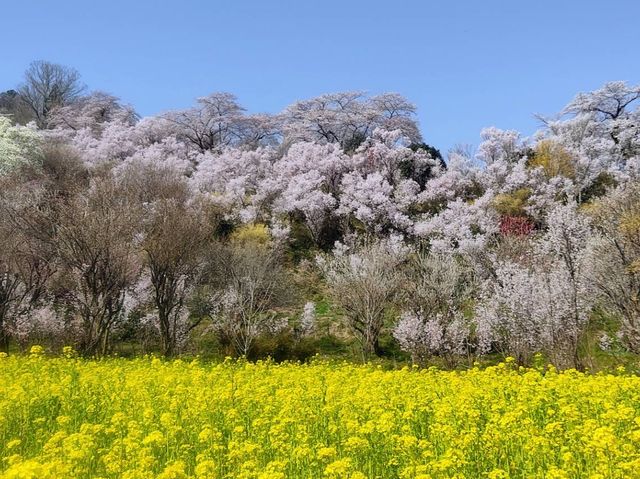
point(512, 204)
point(143, 418)
point(554, 160)
point(253, 234)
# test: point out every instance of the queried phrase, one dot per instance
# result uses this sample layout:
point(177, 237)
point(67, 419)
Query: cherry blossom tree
point(461, 179)
point(566, 240)
point(348, 118)
point(599, 130)
point(306, 184)
point(439, 286)
point(499, 145)
point(92, 112)
point(607, 103)
point(322, 183)
point(368, 199)
point(235, 180)
point(461, 227)
point(540, 302)
point(218, 121)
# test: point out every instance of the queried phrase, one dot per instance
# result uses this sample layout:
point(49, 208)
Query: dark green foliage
point(421, 176)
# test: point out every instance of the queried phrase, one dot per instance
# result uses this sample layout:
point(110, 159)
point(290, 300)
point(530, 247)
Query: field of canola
point(146, 418)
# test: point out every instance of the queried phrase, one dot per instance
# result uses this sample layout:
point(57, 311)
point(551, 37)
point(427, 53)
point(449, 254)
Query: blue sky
point(465, 64)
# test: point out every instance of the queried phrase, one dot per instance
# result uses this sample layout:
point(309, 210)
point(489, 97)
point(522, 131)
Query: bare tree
point(365, 282)
point(245, 283)
point(616, 258)
point(63, 172)
point(27, 259)
point(11, 104)
point(47, 86)
point(175, 235)
point(96, 242)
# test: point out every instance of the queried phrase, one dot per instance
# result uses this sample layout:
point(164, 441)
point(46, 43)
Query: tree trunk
point(4, 340)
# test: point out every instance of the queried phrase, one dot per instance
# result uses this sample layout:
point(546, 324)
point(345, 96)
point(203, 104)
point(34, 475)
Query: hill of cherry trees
point(334, 221)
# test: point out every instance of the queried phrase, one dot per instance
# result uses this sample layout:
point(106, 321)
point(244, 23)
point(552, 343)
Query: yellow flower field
point(146, 418)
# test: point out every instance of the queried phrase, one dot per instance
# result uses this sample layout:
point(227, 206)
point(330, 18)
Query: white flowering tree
point(307, 319)
point(92, 111)
point(462, 227)
point(540, 302)
point(348, 118)
point(599, 133)
point(306, 185)
point(218, 121)
point(434, 324)
point(19, 146)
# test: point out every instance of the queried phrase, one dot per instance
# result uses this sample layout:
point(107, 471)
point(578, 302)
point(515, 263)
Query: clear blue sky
point(465, 64)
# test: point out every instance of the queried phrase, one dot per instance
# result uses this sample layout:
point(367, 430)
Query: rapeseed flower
point(152, 419)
